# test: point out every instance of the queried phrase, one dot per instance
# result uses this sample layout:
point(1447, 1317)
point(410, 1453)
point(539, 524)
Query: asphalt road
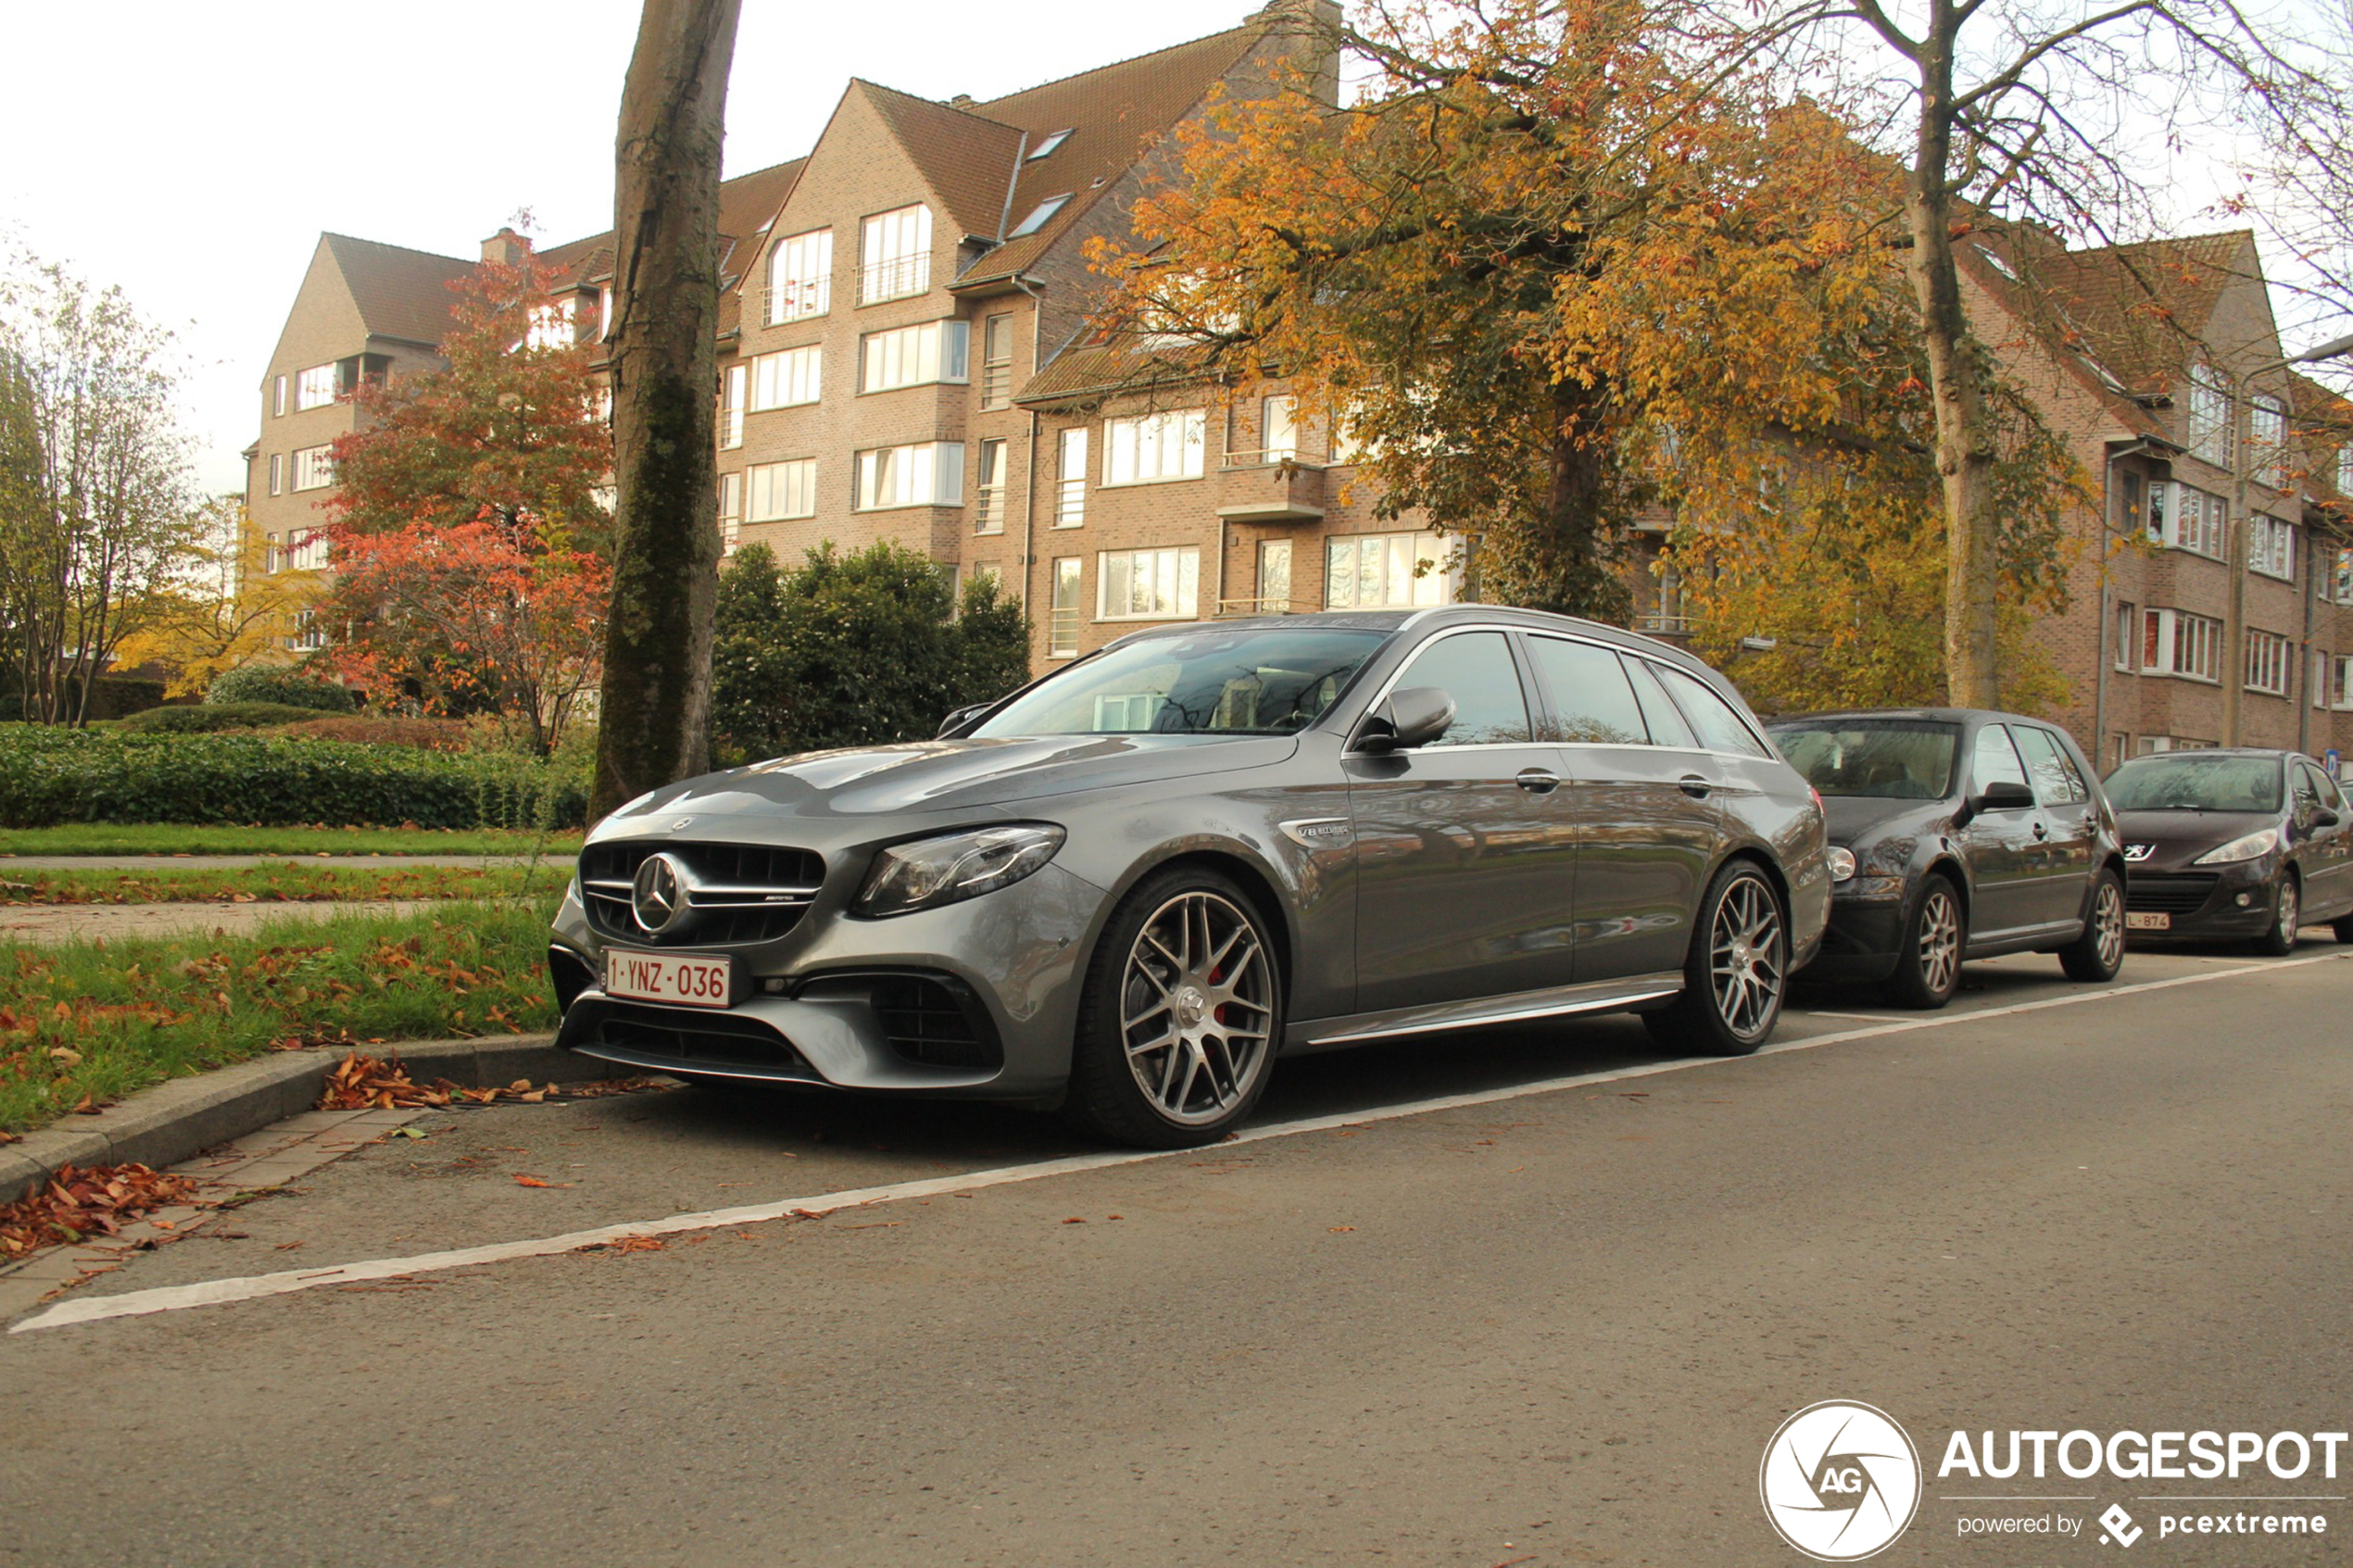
point(1550, 1327)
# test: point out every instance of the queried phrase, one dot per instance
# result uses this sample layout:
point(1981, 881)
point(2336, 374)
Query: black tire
point(1928, 960)
point(1170, 998)
point(1740, 906)
point(2287, 918)
point(2095, 955)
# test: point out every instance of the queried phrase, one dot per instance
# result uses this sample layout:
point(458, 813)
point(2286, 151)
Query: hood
point(2181, 836)
point(1853, 818)
point(928, 777)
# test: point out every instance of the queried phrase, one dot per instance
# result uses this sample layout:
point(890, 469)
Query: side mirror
point(2325, 818)
point(961, 716)
point(1414, 716)
point(2006, 796)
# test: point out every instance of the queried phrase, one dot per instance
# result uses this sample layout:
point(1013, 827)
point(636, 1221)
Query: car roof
point(1449, 615)
point(2221, 751)
point(1926, 715)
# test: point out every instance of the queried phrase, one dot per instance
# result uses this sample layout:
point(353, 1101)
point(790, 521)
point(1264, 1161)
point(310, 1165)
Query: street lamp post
point(2235, 546)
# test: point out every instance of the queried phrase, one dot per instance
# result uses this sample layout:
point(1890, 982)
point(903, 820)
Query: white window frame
point(1039, 216)
point(2266, 440)
point(894, 254)
point(308, 635)
point(2270, 547)
point(275, 478)
point(924, 473)
point(924, 355)
point(731, 511)
point(2188, 645)
point(310, 467)
point(2127, 632)
point(278, 400)
point(2270, 659)
point(1174, 590)
point(1070, 487)
point(989, 486)
point(307, 549)
point(314, 387)
point(781, 492)
point(553, 325)
point(801, 277)
point(731, 406)
point(2212, 422)
point(1393, 551)
point(2344, 470)
point(2182, 516)
point(790, 377)
point(1156, 449)
point(2341, 698)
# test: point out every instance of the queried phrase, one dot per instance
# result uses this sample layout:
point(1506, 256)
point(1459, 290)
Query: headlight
point(2253, 847)
point(932, 871)
point(1842, 863)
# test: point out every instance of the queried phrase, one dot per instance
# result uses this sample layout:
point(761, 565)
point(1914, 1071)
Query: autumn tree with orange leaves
point(1554, 266)
point(466, 529)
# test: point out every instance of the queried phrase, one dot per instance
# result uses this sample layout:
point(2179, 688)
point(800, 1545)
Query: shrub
point(367, 729)
point(214, 716)
point(280, 683)
point(51, 776)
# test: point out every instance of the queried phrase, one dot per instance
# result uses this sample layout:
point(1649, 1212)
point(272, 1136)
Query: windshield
point(1892, 762)
point(2188, 781)
point(1239, 682)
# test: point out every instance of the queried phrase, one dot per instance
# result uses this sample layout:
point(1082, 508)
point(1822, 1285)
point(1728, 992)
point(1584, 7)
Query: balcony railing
point(997, 385)
point(988, 509)
point(1070, 505)
point(797, 299)
point(730, 426)
point(1062, 630)
point(895, 278)
point(1662, 624)
point(1229, 608)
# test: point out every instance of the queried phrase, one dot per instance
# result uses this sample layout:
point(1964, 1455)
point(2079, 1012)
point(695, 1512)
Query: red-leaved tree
point(467, 532)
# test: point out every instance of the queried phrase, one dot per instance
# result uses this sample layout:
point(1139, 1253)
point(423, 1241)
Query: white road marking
point(179, 1298)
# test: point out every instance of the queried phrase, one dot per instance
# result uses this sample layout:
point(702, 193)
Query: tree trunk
point(1966, 448)
point(655, 726)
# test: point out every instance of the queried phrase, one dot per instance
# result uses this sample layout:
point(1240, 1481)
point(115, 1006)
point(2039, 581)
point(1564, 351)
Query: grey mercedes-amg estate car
point(1128, 887)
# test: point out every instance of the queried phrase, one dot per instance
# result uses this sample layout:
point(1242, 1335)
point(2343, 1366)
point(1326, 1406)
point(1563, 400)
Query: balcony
point(1064, 623)
point(897, 278)
point(1662, 624)
point(988, 509)
point(1273, 486)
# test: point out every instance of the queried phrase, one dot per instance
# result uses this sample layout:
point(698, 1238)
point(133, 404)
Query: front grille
point(666, 1037)
point(737, 893)
point(2176, 895)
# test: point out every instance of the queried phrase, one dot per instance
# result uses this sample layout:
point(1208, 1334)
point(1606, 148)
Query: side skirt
point(1305, 1036)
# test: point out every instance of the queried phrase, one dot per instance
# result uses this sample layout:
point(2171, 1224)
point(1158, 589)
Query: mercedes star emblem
point(658, 892)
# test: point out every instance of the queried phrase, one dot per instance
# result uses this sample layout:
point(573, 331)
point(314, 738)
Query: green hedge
point(279, 683)
point(51, 776)
point(212, 717)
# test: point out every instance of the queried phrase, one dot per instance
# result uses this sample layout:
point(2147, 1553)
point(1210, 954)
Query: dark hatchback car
point(2237, 845)
point(1131, 886)
point(1958, 834)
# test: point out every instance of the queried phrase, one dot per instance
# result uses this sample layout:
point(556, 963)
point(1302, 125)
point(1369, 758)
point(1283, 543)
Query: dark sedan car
point(2232, 844)
point(1958, 834)
point(1129, 887)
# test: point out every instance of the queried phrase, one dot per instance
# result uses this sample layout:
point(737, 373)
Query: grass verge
point(164, 838)
point(86, 1024)
point(286, 882)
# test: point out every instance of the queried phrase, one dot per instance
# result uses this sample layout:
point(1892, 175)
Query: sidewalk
point(49, 923)
point(216, 863)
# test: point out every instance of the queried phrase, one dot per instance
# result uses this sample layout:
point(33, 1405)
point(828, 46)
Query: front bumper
point(976, 1000)
point(2217, 903)
point(1865, 934)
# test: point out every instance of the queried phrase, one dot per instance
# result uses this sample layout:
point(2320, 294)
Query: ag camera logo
point(1840, 1481)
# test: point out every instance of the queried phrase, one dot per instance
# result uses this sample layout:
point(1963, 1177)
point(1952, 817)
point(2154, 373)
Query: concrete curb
point(179, 1120)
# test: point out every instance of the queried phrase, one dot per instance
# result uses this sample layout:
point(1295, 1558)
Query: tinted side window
point(1591, 696)
point(1718, 727)
point(1666, 725)
point(1997, 760)
point(1476, 669)
point(2325, 787)
point(2056, 780)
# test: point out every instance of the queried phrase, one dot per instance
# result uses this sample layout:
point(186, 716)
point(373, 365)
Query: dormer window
point(1039, 216)
point(1052, 141)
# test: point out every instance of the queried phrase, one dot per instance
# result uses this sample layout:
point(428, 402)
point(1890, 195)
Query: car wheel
point(2095, 955)
point(1928, 963)
point(2287, 916)
point(1180, 1017)
point(1738, 970)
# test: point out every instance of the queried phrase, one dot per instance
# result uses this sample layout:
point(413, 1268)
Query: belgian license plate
point(666, 977)
point(2138, 921)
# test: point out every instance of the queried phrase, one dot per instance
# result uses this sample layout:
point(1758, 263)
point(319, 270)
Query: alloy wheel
point(1939, 941)
point(2290, 912)
point(2107, 923)
point(1745, 964)
point(1196, 1002)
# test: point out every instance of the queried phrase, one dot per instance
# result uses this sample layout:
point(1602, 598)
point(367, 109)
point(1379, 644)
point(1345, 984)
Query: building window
point(1039, 216)
point(2209, 432)
point(2341, 689)
point(1070, 502)
point(2338, 584)
point(731, 508)
point(1149, 584)
point(2268, 660)
point(1273, 578)
point(552, 325)
point(278, 400)
point(1065, 613)
point(2318, 686)
point(1387, 571)
point(313, 468)
point(2127, 622)
point(929, 474)
point(2270, 547)
point(2129, 487)
point(781, 491)
point(1278, 430)
point(730, 407)
point(314, 388)
point(1150, 447)
point(895, 255)
point(785, 379)
point(936, 351)
point(273, 473)
point(307, 551)
point(997, 362)
point(1053, 140)
point(2185, 518)
point(2177, 643)
point(2344, 470)
point(309, 635)
point(988, 490)
point(2267, 434)
point(801, 277)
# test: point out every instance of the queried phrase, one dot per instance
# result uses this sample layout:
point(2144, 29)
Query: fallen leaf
point(78, 1202)
point(1338, 1229)
point(535, 1182)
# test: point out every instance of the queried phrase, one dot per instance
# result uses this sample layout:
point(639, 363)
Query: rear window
point(1904, 760)
point(1719, 728)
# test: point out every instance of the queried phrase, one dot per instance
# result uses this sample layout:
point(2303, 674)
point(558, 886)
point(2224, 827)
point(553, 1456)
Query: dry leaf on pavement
point(79, 1202)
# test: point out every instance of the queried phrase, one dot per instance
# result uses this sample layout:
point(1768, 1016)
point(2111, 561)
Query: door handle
point(1694, 786)
point(2040, 832)
point(1538, 782)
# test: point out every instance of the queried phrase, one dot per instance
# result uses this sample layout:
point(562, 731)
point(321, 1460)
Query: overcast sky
point(194, 153)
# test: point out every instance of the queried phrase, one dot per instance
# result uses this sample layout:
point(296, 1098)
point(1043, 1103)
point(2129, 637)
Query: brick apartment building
point(907, 352)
